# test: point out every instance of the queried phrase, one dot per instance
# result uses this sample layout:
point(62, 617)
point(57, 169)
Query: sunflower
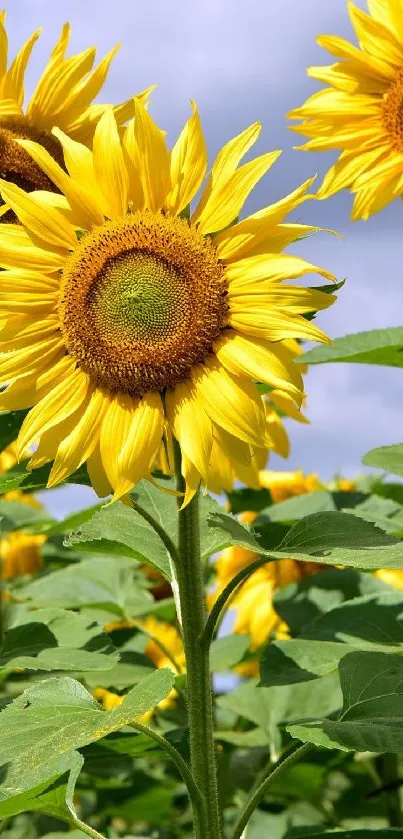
point(20, 553)
point(254, 611)
point(283, 485)
point(136, 316)
point(361, 112)
point(166, 634)
point(63, 96)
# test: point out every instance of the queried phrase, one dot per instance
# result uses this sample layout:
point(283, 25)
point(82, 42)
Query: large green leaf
point(14, 515)
point(53, 639)
point(120, 531)
point(370, 622)
point(300, 603)
point(58, 715)
point(372, 715)
point(106, 582)
point(334, 538)
point(388, 458)
point(47, 788)
point(378, 346)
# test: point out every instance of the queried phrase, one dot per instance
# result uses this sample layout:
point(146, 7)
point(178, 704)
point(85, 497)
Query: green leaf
point(246, 498)
point(48, 788)
point(298, 604)
point(14, 515)
point(388, 458)
point(341, 539)
point(228, 651)
point(302, 505)
point(109, 583)
point(58, 715)
point(372, 715)
point(378, 346)
point(219, 530)
point(268, 707)
point(120, 531)
point(20, 478)
point(53, 639)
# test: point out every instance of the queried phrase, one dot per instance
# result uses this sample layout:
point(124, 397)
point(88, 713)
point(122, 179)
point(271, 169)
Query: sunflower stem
point(199, 691)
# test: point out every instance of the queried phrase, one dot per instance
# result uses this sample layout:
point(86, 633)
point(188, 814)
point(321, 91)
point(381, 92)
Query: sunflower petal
point(142, 443)
point(77, 446)
point(188, 164)
point(191, 426)
point(153, 159)
point(65, 398)
point(109, 165)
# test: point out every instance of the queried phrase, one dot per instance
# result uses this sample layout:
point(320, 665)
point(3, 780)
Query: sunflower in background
point(63, 96)
point(134, 318)
point(165, 649)
point(361, 112)
point(20, 553)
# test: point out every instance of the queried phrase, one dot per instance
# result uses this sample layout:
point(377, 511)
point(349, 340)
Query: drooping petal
point(142, 444)
point(65, 398)
point(258, 359)
point(77, 446)
point(191, 425)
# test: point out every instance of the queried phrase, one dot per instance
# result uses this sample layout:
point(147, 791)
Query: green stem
point(199, 693)
point(225, 597)
point(198, 803)
point(258, 793)
point(90, 831)
point(170, 546)
point(388, 768)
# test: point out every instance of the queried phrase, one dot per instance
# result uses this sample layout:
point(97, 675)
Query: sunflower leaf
point(47, 788)
point(378, 346)
point(388, 458)
point(372, 718)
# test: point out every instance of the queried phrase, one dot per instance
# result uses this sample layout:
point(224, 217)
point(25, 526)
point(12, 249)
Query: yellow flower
point(255, 614)
point(361, 112)
point(390, 577)
point(283, 485)
point(169, 636)
point(20, 553)
point(132, 316)
point(63, 96)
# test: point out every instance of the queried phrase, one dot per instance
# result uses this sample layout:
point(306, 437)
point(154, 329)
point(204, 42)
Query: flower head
point(63, 96)
point(360, 113)
point(138, 318)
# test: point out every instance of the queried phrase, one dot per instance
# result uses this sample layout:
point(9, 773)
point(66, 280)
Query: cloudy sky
point(243, 62)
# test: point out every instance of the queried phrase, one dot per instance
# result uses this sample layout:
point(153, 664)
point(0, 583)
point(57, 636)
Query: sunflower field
point(200, 644)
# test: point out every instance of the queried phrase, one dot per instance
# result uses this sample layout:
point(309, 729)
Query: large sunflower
point(63, 96)
point(361, 113)
point(128, 315)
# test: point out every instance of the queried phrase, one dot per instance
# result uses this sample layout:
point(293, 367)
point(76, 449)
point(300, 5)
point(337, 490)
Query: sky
point(243, 62)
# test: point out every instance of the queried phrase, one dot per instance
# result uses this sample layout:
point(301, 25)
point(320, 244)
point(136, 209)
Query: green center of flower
point(139, 297)
point(142, 299)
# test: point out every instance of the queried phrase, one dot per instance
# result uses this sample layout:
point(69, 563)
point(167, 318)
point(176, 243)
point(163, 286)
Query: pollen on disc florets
point(142, 299)
point(17, 166)
point(392, 108)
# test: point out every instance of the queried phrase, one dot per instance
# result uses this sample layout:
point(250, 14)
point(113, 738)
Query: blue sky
point(242, 62)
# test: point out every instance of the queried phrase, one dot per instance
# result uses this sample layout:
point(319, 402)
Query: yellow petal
point(131, 154)
point(13, 85)
point(294, 299)
point(48, 224)
point(28, 359)
point(192, 479)
point(96, 471)
point(115, 428)
point(375, 38)
point(153, 159)
point(83, 203)
point(142, 443)
point(76, 447)
point(276, 325)
point(109, 165)
point(226, 201)
point(191, 425)
point(231, 402)
point(56, 82)
point(276, 267)
point(258, 359)
point(28, 389)
point(277, 434)
point(188, 164)
point(287, 405)
point(241, 239)
point(65, 398)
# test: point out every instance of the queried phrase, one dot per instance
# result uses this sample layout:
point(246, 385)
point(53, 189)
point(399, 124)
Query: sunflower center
point(393, 112)
point(17, 166)
point(142, 299)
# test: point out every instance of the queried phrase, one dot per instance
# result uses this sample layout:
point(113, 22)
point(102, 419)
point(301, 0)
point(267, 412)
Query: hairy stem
point(85, 828)
point(388, 768)
point(199, 693)
point(259, 792)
